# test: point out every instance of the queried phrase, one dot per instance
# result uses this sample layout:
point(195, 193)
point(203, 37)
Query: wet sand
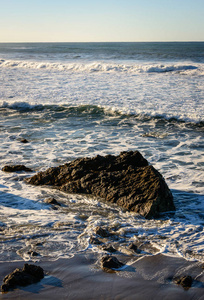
point(80, 278)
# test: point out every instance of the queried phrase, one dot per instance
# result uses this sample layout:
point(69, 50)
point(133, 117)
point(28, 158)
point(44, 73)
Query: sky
point(101, 21)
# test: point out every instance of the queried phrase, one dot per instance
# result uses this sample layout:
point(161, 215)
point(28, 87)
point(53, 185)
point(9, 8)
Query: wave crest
point(94, 111)
point(101, 67)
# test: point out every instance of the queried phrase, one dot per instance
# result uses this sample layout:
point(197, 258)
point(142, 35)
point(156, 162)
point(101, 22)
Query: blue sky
point(95, 21)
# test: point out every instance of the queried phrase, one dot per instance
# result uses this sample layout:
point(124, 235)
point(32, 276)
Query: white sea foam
point(183, 116)
point(150, 89)
point(20, 105)
point(196, 69)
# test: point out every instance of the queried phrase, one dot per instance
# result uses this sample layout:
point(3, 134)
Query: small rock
point(39, 244)
point(94, 241)
point(54, 207)
point(110, 262)
point(132, 246)
point(109, 248)
point(24, 141)
point(22, 277)
point(33, 253)
point(16, 168)
point(52, 201)
point(102, 232)
point(184, 281)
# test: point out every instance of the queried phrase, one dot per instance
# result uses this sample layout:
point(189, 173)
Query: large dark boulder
point(126, 179)
point(22, 277)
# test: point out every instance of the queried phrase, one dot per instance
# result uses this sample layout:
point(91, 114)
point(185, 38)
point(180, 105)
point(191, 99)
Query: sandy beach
point(79, 278)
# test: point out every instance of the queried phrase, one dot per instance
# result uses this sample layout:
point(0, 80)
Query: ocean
point(72, 100)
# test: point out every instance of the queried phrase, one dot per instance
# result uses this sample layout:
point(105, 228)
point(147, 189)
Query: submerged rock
point(126, 180)
point(102, 232)
point(110, 262)
point(33, 253)
point(184, 281)
point(109, 248)
point(24, 141)
point(94, 241)
point(22, 277)
point(134, 247)
point(16, 168)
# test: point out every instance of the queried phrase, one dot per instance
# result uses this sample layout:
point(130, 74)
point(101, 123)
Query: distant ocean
point(72, 100)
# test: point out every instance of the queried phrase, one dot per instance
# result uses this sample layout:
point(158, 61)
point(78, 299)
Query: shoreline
point(149, 277)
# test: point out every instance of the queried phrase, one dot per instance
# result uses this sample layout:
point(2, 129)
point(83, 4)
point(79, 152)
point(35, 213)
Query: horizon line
point(187, 41)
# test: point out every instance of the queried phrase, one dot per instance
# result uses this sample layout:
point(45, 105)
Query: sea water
point(72, 100)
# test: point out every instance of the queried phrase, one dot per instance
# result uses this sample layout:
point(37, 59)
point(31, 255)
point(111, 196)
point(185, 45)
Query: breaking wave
point(103, 67)
point(93, 111)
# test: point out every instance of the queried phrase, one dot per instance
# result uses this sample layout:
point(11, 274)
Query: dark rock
point(184, 281)
point(33, 253)
point(109, 248)
point(134, 247)
point(22, 277)
point(39, 244)
point(94, 241)
point(24, 141)
point(102, 232)
point(34, 270)
point(55, 207)
point(126, 180)
point(52, 201)
point(110, 262)
point(16, 168)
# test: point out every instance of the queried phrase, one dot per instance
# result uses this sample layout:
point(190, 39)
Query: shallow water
point(140, 279)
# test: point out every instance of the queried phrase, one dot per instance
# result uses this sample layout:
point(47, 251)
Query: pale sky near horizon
point(101, 21)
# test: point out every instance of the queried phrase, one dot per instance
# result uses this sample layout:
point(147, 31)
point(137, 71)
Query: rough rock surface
point(22, 277)
point(110, 262)
point(16, 168)
point(102, 231)
point(126, 179)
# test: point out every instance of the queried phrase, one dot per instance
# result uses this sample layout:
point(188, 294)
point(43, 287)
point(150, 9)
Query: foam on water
point(30, 224)
point(196, 69)
point(67, 231)
point(69, 109)
point(164, 95)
